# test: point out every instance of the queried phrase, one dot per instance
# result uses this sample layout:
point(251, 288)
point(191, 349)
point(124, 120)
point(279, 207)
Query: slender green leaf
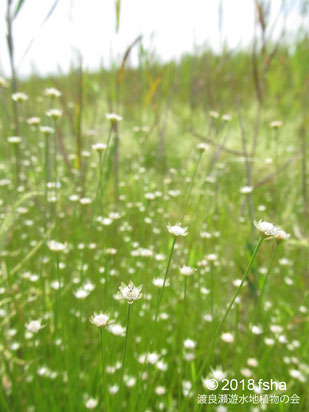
point(117, 14)
point(18, 7)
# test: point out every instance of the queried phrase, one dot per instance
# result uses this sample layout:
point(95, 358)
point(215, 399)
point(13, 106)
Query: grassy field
point(90, 202)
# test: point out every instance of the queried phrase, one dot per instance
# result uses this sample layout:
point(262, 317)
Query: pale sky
point(171, 27)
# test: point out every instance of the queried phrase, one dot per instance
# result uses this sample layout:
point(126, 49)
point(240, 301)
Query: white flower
point(214, 114)
point(113, 389)
point(226, 118)
point(266, 229)
point(34, 326)
point(227, 337)
point(56, 247)
point(54, 113)
point(47, 130)
point(3, 82)
point(189, 357)
point(85, 201)
point(296, 374)
point(282, 235)
point(117, 329)
point(252, 362)
point(276, 329)
point(276, 124)
point(246, 190)
point(14, 139)
point(269, 341)
point(99, 147)
point(177, 230)
point(81, 293)
point(100, 320)
point(113, 117)
point(158, 282)
point(212, 257)
point(91, 403)
point(160, 390)
point(19, 97)
point(52, 92)
point(189, 344)
point(33, 121)
point(218, 374)
point(256, 330)
point(246, 372)
point(203, 147)
point(187, 271)
point(130, 292)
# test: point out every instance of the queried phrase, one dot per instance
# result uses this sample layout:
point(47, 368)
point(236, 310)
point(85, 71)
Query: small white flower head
point(266, 229)
point(91, 403)
point(56, 247)
point(19, 97)
point(54, 113)
point(33, 121)
point(276, 329)
point(246, 190)
point(130, 292)
point(99, 147)
point(203, 147)
point(189, 344)
point(113, 389)
point(252, 362)
point(214, 114)
point(158, 282)
point(187, 271)
point(14, 139)
point(218, 373)
point(46, 130)
point(276, 124)
point(227, 337)
point(160, 390)
point(296, 374)
point(212, 257)
point(177, 230)
point(256, 330)
point(34, 326)
point(246, 372)
point(81, 293)
point(282, 236)
point(113, 117)
point(52, 92)
point(100, 320)
point(3, 82)
point(116, 329)
point(85, 201)
point(226, 117)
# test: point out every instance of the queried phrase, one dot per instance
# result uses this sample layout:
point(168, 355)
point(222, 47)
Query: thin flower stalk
point(124, 352)
point(212, 345)
point(105, 391)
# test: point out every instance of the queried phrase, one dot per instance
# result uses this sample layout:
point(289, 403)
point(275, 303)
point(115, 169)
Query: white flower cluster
point(130, 292)
point(268, 230)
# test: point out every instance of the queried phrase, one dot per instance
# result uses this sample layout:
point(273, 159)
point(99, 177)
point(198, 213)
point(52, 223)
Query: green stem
point(46, 172)
point(124, 352)
point(228, 310)
point(103, 369)
point(185, 293)
point(191, 184)
point(268, 273)
point(17, 163)
point(260, 298)
point(212, 290)
point(162, 292)
point(157, 314)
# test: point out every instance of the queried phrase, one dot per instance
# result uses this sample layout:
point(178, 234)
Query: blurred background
point(49, 34)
